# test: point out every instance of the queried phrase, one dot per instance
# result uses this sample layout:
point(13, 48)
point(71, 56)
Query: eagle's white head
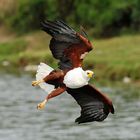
point(89, 73)
point(77, 77)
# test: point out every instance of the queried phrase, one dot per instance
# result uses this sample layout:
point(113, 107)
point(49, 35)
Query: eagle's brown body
point(70, 47)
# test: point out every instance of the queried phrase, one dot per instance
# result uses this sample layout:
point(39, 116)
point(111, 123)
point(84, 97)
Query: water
point(20, 120)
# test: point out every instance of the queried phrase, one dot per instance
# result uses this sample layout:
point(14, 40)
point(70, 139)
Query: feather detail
point(42, 71)
point(95, 106)
point(76, 78)
point(66, 43)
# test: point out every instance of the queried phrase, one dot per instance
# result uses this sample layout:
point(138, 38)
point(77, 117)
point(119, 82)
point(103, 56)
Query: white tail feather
point(42, 71)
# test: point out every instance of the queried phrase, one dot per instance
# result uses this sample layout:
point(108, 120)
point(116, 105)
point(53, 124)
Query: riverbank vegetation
point(113, 59)
point(113, 28)
point(102, 18)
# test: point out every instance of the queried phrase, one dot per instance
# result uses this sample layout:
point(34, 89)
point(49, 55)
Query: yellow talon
point(35, 83)
point(41, 105)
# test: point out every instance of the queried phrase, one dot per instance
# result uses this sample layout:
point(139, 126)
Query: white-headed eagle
point(70, 48)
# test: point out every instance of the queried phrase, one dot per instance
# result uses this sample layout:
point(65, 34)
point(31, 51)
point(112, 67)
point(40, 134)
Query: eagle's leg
point(54, 93)
point(53, 75)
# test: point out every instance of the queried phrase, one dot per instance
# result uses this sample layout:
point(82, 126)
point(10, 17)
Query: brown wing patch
point(74, 54)
point(66, 45)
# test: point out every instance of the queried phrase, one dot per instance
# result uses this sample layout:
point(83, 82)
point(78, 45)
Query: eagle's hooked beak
point(90, 74)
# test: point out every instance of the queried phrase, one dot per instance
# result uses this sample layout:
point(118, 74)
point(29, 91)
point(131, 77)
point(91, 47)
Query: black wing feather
point(60, 31)
point(63, 37)
point(66, 43)
point(93, 104)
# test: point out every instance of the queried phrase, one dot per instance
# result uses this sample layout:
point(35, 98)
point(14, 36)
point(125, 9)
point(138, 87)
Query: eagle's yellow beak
point(90, 74)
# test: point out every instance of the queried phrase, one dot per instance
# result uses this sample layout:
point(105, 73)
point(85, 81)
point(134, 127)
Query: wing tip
point(97, 116)
point(112, 110)
point(94, 114)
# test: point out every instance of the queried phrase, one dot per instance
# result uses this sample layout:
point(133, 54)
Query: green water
point(20, 120)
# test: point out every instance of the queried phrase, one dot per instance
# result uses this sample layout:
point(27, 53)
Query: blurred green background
point(113, 28)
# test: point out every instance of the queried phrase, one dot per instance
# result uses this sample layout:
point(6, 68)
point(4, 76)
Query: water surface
point(20, 120)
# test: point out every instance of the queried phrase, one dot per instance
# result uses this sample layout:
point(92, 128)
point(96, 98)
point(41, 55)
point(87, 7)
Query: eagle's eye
point(89, 74)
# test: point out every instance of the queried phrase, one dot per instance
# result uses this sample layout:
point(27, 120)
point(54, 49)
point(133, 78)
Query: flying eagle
point(70, 48)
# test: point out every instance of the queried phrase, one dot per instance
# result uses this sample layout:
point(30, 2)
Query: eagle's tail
point(42, 71)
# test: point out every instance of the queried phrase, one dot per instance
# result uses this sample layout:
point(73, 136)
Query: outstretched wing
point(94, 105)
point(66, 44)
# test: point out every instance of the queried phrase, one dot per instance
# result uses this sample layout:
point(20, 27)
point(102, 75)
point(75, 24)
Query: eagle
point(70, 48)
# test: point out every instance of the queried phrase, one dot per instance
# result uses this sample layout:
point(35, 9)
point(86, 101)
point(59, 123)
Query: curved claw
point(41, 105)
point(35, 83)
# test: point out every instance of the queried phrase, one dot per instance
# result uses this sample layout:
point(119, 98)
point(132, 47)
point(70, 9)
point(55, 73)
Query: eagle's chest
point(75, 78)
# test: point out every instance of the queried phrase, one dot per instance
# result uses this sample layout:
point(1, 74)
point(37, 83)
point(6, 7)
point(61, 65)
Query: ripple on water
point(20, 120)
